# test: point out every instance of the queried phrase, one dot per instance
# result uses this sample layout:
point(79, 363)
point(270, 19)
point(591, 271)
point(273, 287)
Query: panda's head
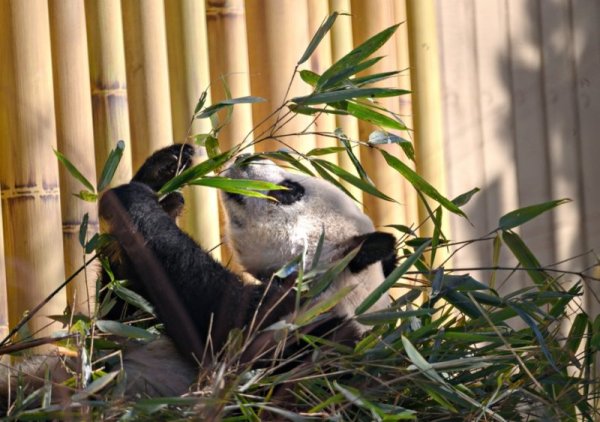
point(267, 234)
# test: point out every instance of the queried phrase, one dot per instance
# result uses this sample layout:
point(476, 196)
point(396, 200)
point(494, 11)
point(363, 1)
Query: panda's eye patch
point(293, 193)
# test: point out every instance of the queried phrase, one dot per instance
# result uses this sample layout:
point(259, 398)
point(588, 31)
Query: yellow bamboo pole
point(75, 132)
point(108, 83)
point(342, 44)
point(147, 77)
point(320, 61)
point(29, 171)
point(368, 18)
point(410, 200)
point(279, 30)
point(427, 109)
point(189, 76)
point(3, 302)
point(228, 58)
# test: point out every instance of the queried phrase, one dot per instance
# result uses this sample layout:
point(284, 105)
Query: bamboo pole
point(147, 77)
point(279, 30)
point(320, 61)
point(342, 44)
point(427, 109)
point(108, 83)
point(410, 200)
point(3, 301)
point(228, 58)
point(75, 132)
point(189, 76)
point(368, 18)
point(29, 171)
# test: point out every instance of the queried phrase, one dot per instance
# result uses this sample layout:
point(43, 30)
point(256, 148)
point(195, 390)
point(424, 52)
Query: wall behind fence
point(521, 89)
point(81, 75)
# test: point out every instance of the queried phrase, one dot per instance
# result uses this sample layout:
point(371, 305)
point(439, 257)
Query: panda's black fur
point(197, 298)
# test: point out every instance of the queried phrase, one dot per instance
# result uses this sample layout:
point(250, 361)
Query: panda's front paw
point(164, 164)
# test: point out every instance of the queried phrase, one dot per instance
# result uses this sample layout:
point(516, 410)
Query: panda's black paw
point(164, 164)
point(173, 204)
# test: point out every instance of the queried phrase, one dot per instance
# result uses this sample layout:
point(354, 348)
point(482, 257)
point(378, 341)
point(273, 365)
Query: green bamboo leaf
point(577, 332)
point(316, 39)
point(390, 280)
point(358, 54)
point(309, 77)
point(212, 146)
point(74, 171)
point(363, 112)
point(464, 198)
point(352, 179)
point(376, 77)
point(240, 186)
point(323, 282)
point(83, 229)
point(95, 386)
point(379, 137)
point(347, 94)
point(201, 101)
point(119, 329)
point(195, 172)
point(322, 306)
point(346, 73)
point(86, 195)
point(522, 215)
point(536, 331)
point(325, 151)
point(355, 161)
point(420, 362)
point(325, 175)
point(133, 298)
point(288, 158)
point(385, 317)
point(110, 167)
point(311, 111)
point(525, 257)
point(420, 184)
point(209, 111)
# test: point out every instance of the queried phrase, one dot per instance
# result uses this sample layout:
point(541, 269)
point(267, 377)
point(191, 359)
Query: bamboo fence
point(133, 70)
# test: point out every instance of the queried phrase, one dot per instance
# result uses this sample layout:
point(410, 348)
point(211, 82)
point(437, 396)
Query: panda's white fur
point(265, 235)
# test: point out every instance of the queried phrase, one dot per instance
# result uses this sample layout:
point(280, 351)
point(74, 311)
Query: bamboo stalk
point(147, 77)
point(427, 109)
point(342, 44)
point(228, 50)
point(29, 171)
point(320, 61)
point(108, 83)
point(75, 132)
point(410, 200)
point(273, 61)
point(189, 76)
point(228, 53)
point(368, 18)
point(3, 302)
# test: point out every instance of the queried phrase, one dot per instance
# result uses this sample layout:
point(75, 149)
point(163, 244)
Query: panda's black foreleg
point(198, 299)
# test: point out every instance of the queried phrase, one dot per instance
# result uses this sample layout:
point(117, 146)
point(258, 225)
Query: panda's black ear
point(374, 247)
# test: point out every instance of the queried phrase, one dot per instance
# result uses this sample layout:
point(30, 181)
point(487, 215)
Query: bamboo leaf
point(347, 94)
point(133, 298)
point(352, 179)
point(236, 185)
point(390, 280)
point(83, 229)
point(355, 161)
point(379, 137)
point(522, 215)
point(110, 167)
point(420, 184)
point(525, 257)
point(123, 330)
point(346, 73)
point(376, 77)
point(464, 198)
point(359, 53)
point(322, 306)
point(316, 39)
point(95, 386)
point(209, 111)
point(201, 101)
point(362, 112)
point(74, 171)
point(86, 195)
point(309, 77)
point(196, 172)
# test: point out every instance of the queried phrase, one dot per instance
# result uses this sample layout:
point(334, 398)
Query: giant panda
point(199, 300)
